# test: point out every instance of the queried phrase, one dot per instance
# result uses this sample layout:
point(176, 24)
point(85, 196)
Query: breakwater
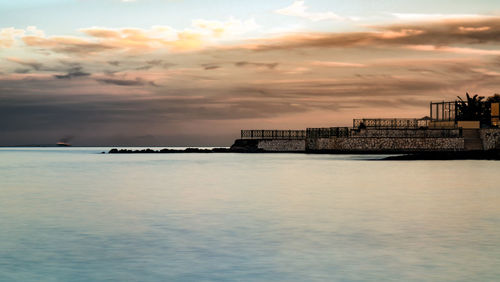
point(384, 145)
point(268, 145)
point(169, 151)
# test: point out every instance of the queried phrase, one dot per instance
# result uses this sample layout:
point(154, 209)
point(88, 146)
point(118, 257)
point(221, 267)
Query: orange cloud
point(66, 44)
point(443, 34)
point(438, 33)
point(8, 35)
point(101, 39)
point(337, 64)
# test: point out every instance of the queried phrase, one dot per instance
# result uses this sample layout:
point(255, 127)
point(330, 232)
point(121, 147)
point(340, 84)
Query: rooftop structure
point(470, 113)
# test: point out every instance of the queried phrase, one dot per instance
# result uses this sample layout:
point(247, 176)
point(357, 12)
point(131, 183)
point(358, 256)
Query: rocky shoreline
point(166, 151)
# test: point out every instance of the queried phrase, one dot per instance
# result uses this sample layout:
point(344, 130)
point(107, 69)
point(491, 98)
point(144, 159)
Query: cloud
point(72, 73)
point(135, 39)
point(8, 35)
point(266, 65)
point(318, 79)
point(299, 9)
point(155, 62)
point(39, 107)
point(22, 71)
point(438, 33)
point(160, 63)
point(481, 28)
point(29, 63)
point(210, 66)
point(216, 35)
point(337, 64)
point(433, 17)
point(126, 39)
point(230, 27)
point(96, 40)
point(456, 50)
point(72, 45)
point(126, 82)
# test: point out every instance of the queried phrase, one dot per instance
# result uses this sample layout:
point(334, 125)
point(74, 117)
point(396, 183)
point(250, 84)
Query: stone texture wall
point(374, 141)
point(282, 145)
point(490, 138)
point(381, 144)
point(421, 133)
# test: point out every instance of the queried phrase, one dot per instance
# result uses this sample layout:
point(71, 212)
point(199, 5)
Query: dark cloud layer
point(72, 73)
point(266, 65)
point(126, 82)
point(96, 114)
point(22, 70)
point(210, 66)
point(33, 64)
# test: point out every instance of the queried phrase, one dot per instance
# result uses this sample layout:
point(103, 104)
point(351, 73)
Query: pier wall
point(377, 141)
point(414, 133)
point(282, 145)
point(490, 138)
point(268, 145)
point(384, 144)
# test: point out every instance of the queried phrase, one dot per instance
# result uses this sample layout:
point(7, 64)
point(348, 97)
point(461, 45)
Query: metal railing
point(274, 134)
point(443, 111)
point(328, 132)
point(344, 132)
point(407, 133)
point(390, 123)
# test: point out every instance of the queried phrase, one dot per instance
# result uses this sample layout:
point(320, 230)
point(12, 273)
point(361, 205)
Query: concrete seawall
point(282, 145)
point(490, 138)
point(379, 141)
point(268, 145)
point(383, 144)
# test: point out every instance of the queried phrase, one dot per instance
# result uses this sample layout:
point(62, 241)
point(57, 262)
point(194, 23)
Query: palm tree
point(472, 109)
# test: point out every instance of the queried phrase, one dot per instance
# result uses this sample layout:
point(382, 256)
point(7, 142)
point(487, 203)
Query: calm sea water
point(72, 214)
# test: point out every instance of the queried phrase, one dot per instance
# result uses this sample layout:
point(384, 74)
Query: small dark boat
point(63, 144)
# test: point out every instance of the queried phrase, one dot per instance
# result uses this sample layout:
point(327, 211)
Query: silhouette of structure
point(452, 126)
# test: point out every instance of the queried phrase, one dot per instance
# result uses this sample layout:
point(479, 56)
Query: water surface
point(72, 214)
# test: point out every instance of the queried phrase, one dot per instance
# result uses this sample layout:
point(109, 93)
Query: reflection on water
point(72, 214)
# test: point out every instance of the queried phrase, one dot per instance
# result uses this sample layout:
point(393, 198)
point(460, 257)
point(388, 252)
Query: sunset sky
point(185, 72)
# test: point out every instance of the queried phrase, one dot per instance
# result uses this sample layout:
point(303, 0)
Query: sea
point(75, 214)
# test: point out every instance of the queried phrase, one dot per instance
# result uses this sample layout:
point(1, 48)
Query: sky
point(194, 73)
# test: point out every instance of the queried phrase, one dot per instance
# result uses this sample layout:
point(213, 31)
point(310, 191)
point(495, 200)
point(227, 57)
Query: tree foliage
point(494, 99)
point(471, 109)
